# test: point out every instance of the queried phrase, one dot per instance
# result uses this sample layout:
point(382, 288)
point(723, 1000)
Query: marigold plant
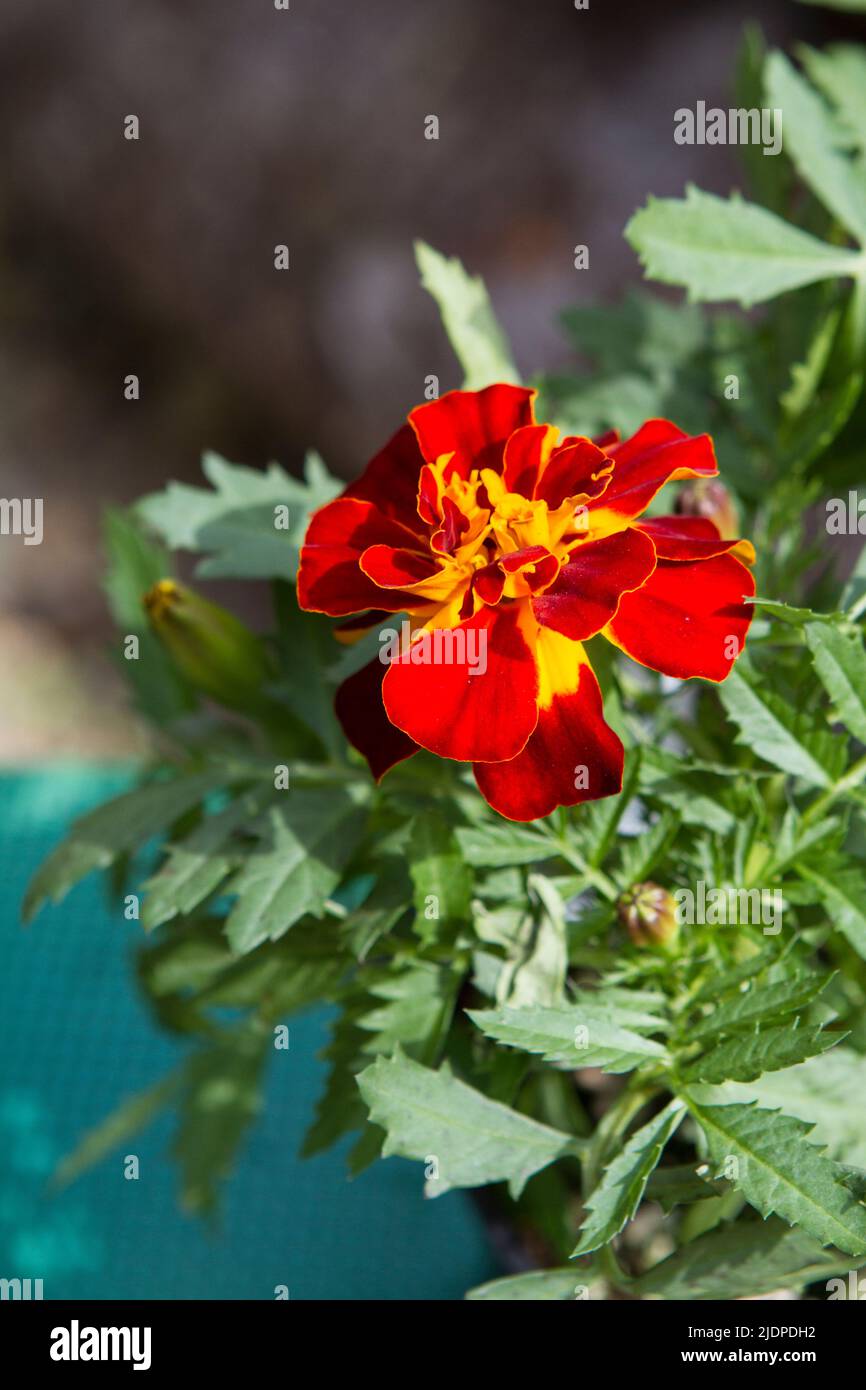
point(574, 872)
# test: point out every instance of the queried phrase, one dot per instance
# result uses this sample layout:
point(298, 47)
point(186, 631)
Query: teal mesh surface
point(76, 1040)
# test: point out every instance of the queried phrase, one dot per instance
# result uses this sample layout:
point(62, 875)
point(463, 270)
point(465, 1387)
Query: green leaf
point(234, 524)
point(412, 1008)
point(840, 72)
point(759, 1003)
point(308, 840)
point(122, 825)
point(743, 1259)
point(797, 617)
point(844, 897)
point(811, 141)
point(682, 1184)
point(578, 1036)
point(222, 1099)
point(499, 845)
point(779, 1172)
point(432, 1116)
point(478, 341)
point(128, 1119)
point(779, 735)
point(442, 881)
point(198, 864)
point(746, 1058)
point(826, 1092)
point(728, 249)
point(806, 375)
point(722, 983)
point(840, 661)
point(537, 976)
point(616, 1199)
point(540, 1285)
point(306, 650)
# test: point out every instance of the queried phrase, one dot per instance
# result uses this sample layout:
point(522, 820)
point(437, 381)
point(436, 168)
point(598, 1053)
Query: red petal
point(329, 578)
point(525, 453)
point(359, 708)
point(575, 468)
point(688, 619)
point(537, 564)
point(659, 453)
point(688, 538)
point(489, 583)
point(605, 440)
point(571, 745)
point(391, 479)
point(392, 567)
point(588, 590)
point(442, 705)
point(447, 539)
point(473, 425)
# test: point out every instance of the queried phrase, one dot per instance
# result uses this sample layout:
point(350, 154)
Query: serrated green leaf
point(720, 984)
point(826, 1092)
point(758, 1004)
point(811, 141)
point(728, 249)
point(779, 1172)
point(477, 339)
point(840, 73)
point(777, 734)
point(308, 840)
point(840, 661)
point(744, 1259)
point(122, 825)
point(431, 1115)
point(844, 896)
point(745, 1058)
point(411, 1008)
point(616, 1199)
point(233, 523)
point(198, 864)
point(577, 1036)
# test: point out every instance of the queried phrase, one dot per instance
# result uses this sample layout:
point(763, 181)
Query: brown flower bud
point(710, 498)
point(649, 913)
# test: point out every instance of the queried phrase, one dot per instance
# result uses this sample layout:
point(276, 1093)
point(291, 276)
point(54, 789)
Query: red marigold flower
point(508, 548)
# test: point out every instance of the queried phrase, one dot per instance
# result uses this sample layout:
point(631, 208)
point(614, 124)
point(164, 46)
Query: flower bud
point(210, 646)
point(650, 915)
point(709, 498)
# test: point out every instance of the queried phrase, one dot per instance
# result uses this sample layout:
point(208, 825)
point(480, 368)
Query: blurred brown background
point(305, 127)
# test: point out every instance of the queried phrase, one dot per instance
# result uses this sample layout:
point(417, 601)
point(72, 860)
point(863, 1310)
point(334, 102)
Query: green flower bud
point(210, 646)
point(649, 914)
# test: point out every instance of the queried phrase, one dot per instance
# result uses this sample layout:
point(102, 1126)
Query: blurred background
point(261, 126)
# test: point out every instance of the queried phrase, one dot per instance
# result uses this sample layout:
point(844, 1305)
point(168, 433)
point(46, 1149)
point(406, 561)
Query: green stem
point(852, 778)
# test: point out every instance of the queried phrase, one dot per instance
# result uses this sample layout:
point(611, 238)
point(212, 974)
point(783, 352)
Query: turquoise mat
point(76, 1040)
